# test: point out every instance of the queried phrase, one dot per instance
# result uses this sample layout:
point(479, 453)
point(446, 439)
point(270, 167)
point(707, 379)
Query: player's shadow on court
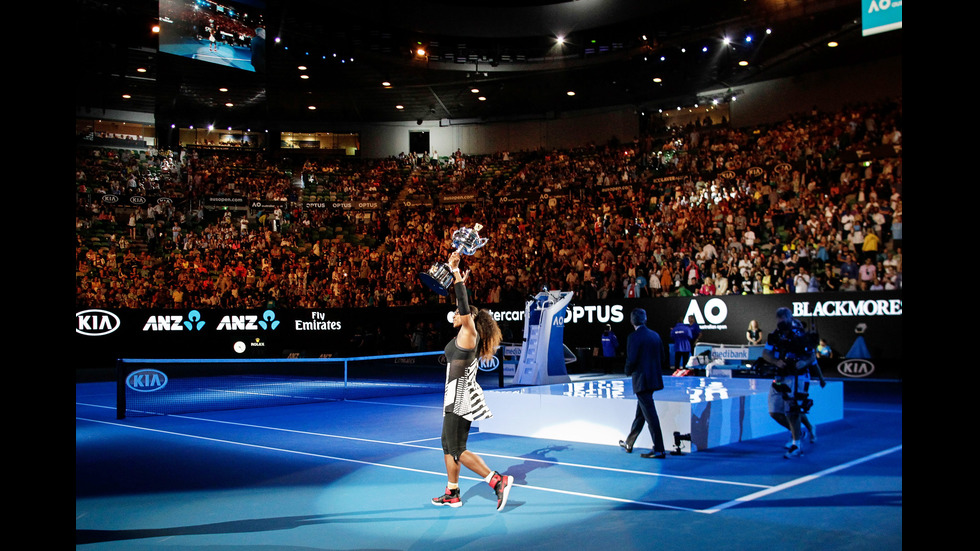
point(218, 528)
point(538, 459)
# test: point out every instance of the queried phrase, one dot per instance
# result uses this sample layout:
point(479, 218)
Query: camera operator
point(792, 351)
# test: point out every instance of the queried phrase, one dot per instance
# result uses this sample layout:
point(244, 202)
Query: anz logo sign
point(194, 321)
point(146, 380)
point(249, 322)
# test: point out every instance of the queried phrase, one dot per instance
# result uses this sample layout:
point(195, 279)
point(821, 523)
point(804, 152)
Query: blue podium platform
point(714, 411)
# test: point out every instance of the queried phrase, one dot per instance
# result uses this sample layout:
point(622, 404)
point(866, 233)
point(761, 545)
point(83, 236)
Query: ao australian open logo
point(146, 380)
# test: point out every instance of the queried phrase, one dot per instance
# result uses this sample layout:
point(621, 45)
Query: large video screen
point(880, 16)
point(228, 33)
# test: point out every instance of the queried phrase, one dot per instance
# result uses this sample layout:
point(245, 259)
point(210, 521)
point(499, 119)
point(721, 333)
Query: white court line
point(501, 456)
point(375, 403)
point(485, 454)
point(874, 410)
point(798, 481)
point(767, 490)
point(420, 440)
point(373, 464)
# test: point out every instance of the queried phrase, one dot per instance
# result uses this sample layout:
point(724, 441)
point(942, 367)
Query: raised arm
point(466, 338)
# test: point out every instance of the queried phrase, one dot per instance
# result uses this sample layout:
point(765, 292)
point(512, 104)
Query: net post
point(500, 364)
point(345, 378)
point(120, 390)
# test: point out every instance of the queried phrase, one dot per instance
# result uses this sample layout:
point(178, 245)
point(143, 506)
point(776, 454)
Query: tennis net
point(147, 387)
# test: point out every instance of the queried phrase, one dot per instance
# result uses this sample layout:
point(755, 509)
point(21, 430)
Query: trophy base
point(439, 278)
point(433, 283)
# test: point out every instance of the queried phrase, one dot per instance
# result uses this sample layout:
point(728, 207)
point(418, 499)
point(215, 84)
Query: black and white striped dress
point(464, 396)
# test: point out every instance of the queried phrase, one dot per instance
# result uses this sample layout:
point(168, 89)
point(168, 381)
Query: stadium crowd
point(707, 209)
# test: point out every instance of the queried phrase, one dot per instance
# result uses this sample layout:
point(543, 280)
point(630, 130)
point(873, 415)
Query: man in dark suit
point(644, 357)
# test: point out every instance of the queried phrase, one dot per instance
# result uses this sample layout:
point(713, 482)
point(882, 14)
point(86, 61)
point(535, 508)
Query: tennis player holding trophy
point(478, 338)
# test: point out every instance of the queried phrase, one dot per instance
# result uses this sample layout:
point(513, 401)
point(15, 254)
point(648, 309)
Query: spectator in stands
point(869, 248)
point(693, 208)
point(753, 335)
point(848, 268)
point(896, 231)
point(708, 287)
point(801, 281)
point(867, 273)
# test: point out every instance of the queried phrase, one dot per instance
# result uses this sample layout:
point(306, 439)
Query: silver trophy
point(466, 241)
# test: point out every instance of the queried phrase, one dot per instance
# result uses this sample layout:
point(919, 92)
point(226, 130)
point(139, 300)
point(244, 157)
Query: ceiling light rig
point(327, 54)
point(705, 102)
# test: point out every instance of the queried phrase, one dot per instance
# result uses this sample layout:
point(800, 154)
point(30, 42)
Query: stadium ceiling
point(647, 53)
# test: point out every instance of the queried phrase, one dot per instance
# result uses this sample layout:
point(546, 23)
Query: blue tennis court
point(359, 474)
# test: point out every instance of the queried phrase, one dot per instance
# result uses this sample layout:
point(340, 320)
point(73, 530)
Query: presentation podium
point(543, 352)
point(712, 411)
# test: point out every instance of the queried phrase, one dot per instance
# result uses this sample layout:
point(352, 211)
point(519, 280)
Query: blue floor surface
point(359, 475)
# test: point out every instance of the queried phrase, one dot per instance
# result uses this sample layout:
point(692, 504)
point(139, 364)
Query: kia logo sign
point(146, 380)
point(95, 323)
point(855, 368)
point(489, 365)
